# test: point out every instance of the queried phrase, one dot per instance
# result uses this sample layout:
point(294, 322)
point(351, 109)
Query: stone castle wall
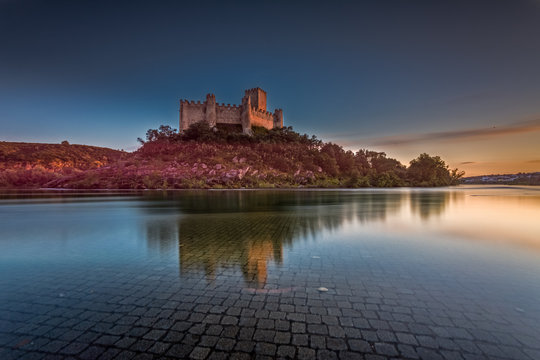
point(228, 114)
point(195, 112)
point(252, 112)
point(262, 118)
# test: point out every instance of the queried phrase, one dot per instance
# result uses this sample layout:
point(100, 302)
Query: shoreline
point(396, 188)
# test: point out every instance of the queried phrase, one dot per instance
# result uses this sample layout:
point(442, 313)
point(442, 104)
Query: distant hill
point(34, 165)
point(505, 179)
point(55, 156)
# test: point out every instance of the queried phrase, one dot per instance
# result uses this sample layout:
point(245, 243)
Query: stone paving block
point(286, 351)
point(141, 345)
point(300, 339)
point(264, 335)
point(173, 336)
point(360, 346)
point(73, 348)
point(407, 351)
point(427, 353)
point(336, 344)
point(451, 355)
point(326, 355)
point(240, 356)
point(246, 333)
point(317, 342)
point(263, 348)
point(244, 346)
point(199, 353)
point(225, 344)
point(179, 351)
point(125, 342)
point(306, 353)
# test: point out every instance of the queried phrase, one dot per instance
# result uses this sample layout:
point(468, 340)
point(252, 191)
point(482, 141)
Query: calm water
point(434, 273)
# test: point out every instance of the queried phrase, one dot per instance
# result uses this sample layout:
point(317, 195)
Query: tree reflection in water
point(430, 204)
point(224, 231)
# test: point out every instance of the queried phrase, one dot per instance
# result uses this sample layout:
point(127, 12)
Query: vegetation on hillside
point(202, 157)
point(29, 165)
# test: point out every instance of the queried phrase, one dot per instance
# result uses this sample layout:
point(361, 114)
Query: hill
point(208, 158)
point(36, 164)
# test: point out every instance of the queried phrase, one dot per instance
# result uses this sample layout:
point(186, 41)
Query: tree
point(428, 170)
point(165, 132)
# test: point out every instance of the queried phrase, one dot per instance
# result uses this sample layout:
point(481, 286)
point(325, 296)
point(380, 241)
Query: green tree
point(164, 133)
point(428, 170)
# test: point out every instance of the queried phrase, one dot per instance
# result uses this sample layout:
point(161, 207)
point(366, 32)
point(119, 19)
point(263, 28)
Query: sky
point(458, 79)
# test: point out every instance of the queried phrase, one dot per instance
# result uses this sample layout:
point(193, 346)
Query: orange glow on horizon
point(507, 151)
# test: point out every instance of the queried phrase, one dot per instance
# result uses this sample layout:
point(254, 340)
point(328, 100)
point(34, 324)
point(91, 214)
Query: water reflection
point(217, 231)
point(249, 241)
point(430, 204)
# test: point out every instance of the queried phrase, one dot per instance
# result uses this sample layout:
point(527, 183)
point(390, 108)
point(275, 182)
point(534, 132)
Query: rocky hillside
point(204, 158)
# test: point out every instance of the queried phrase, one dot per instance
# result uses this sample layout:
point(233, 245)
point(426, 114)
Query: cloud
point(537, 161)
point(517, 128)
point(467, 162)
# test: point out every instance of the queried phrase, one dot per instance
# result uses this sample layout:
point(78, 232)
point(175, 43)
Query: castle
point(252, 112)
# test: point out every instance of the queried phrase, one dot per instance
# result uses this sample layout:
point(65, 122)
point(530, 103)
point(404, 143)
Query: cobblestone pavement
point(258, 296)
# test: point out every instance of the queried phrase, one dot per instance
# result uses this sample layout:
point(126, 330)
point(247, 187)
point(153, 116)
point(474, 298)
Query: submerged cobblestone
point(230, 293)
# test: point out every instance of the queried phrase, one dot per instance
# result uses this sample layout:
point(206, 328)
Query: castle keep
point(252, 112)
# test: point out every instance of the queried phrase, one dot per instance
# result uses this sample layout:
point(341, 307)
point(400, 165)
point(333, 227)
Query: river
point(418, 273)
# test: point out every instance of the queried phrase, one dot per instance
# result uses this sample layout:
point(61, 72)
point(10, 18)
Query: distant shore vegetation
point(532, 178)
point(202, 158)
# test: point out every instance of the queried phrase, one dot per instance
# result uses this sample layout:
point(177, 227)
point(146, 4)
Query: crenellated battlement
point(263, 113)
point(253, 90)
point(252, 111)
point(191, 102)
point(226, 106)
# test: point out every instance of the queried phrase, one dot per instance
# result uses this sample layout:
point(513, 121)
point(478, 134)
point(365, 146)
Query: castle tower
point(184, 122)
point(210, 116)
point(246, 115)
point(278, 119)
point(257, 97)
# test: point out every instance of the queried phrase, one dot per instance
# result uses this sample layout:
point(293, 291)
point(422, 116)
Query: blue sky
point(356, 73)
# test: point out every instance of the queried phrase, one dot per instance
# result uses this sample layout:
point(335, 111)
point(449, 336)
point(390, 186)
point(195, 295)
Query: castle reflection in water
point(248, 230)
